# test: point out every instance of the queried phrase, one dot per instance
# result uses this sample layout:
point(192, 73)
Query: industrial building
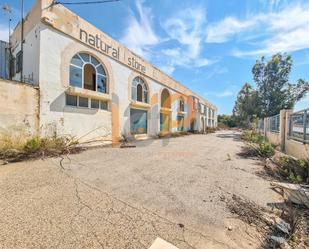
point(92, 87)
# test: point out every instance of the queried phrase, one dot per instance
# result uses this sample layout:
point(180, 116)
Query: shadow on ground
point(234, 136)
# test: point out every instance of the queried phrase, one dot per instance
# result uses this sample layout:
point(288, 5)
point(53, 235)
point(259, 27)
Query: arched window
point(139, 90)
point(87, 72)
point(165, 99)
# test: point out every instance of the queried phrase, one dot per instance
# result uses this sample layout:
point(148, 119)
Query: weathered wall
point(84, 124)
point(19, 106)
point(62, 19)
point(273, 137)
point(56, 51)
point(52, 41)
point(296, 149)
point(293, 147)
point(289, 146)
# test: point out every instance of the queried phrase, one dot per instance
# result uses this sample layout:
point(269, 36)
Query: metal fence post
point(305, 126)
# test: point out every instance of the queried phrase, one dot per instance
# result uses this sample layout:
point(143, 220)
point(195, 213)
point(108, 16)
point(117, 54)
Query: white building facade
point(94, 88)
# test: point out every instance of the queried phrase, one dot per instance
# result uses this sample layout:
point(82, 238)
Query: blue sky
point(209, 46)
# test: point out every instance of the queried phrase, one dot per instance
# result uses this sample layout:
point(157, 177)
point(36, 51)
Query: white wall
point(83, 123)
point(80, 122)
point(31, 56)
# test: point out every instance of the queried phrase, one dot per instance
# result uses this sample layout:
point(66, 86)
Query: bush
point(37, 147)
point(295, 170)
point(266, 149)
point(253, 137)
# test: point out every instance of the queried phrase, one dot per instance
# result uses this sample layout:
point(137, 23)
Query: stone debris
point(280, 241)
point(282, 225)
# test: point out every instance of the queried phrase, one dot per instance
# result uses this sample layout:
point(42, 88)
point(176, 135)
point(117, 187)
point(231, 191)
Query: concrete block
point(162, 244)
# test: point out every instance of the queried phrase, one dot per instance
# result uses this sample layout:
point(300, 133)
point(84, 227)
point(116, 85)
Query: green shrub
point(295, 170)
point(253, 137)
point(266, 149)
point(295, 178)
point(32, 145)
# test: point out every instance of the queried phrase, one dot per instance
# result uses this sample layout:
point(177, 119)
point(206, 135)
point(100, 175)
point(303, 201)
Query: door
point(164, 122)
point(138, 121)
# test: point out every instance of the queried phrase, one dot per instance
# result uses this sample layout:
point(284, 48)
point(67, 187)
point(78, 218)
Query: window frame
point(145, 90)
point(89, 103)
point(83, 69)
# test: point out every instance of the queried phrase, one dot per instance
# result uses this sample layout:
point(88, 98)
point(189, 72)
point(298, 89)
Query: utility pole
point(22, 41)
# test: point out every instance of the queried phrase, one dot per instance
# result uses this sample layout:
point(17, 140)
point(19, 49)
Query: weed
point(17, 148)
point(176, 134)
point(266, 149)
point(253, 137)
point(160, 135)
point(211, 130)
point(294, 170)
point(32, 145)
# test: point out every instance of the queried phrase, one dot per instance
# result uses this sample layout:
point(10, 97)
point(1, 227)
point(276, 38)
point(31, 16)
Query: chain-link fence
point(299, 126)
point(274, 123)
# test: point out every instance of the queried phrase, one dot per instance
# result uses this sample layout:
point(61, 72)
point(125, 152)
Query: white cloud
point(182, 46)
point(139, 35)
point(4, 33)
point(302, 104)
point(218, 70)
point(286, 30)
point(186, 28)
point(225, 93)
point(227, 29)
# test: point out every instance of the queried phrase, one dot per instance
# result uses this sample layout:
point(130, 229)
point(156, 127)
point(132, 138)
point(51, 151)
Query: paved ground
point(175, 189)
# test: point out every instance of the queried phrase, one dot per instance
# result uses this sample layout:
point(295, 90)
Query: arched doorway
point(165, 99)
point(165, 114)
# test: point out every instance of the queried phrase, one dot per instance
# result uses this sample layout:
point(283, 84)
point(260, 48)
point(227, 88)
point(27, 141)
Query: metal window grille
point(299, 126)
point(274, 123)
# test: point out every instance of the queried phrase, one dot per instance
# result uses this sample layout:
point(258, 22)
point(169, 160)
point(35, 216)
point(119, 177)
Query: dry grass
point(14, 137)
point(17, 144)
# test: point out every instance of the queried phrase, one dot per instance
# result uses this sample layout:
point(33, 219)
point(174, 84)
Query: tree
point(227, 120)
point(246, 106)
point(275, 92)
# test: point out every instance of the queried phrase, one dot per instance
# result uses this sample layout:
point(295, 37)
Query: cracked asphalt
point(175, 189)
